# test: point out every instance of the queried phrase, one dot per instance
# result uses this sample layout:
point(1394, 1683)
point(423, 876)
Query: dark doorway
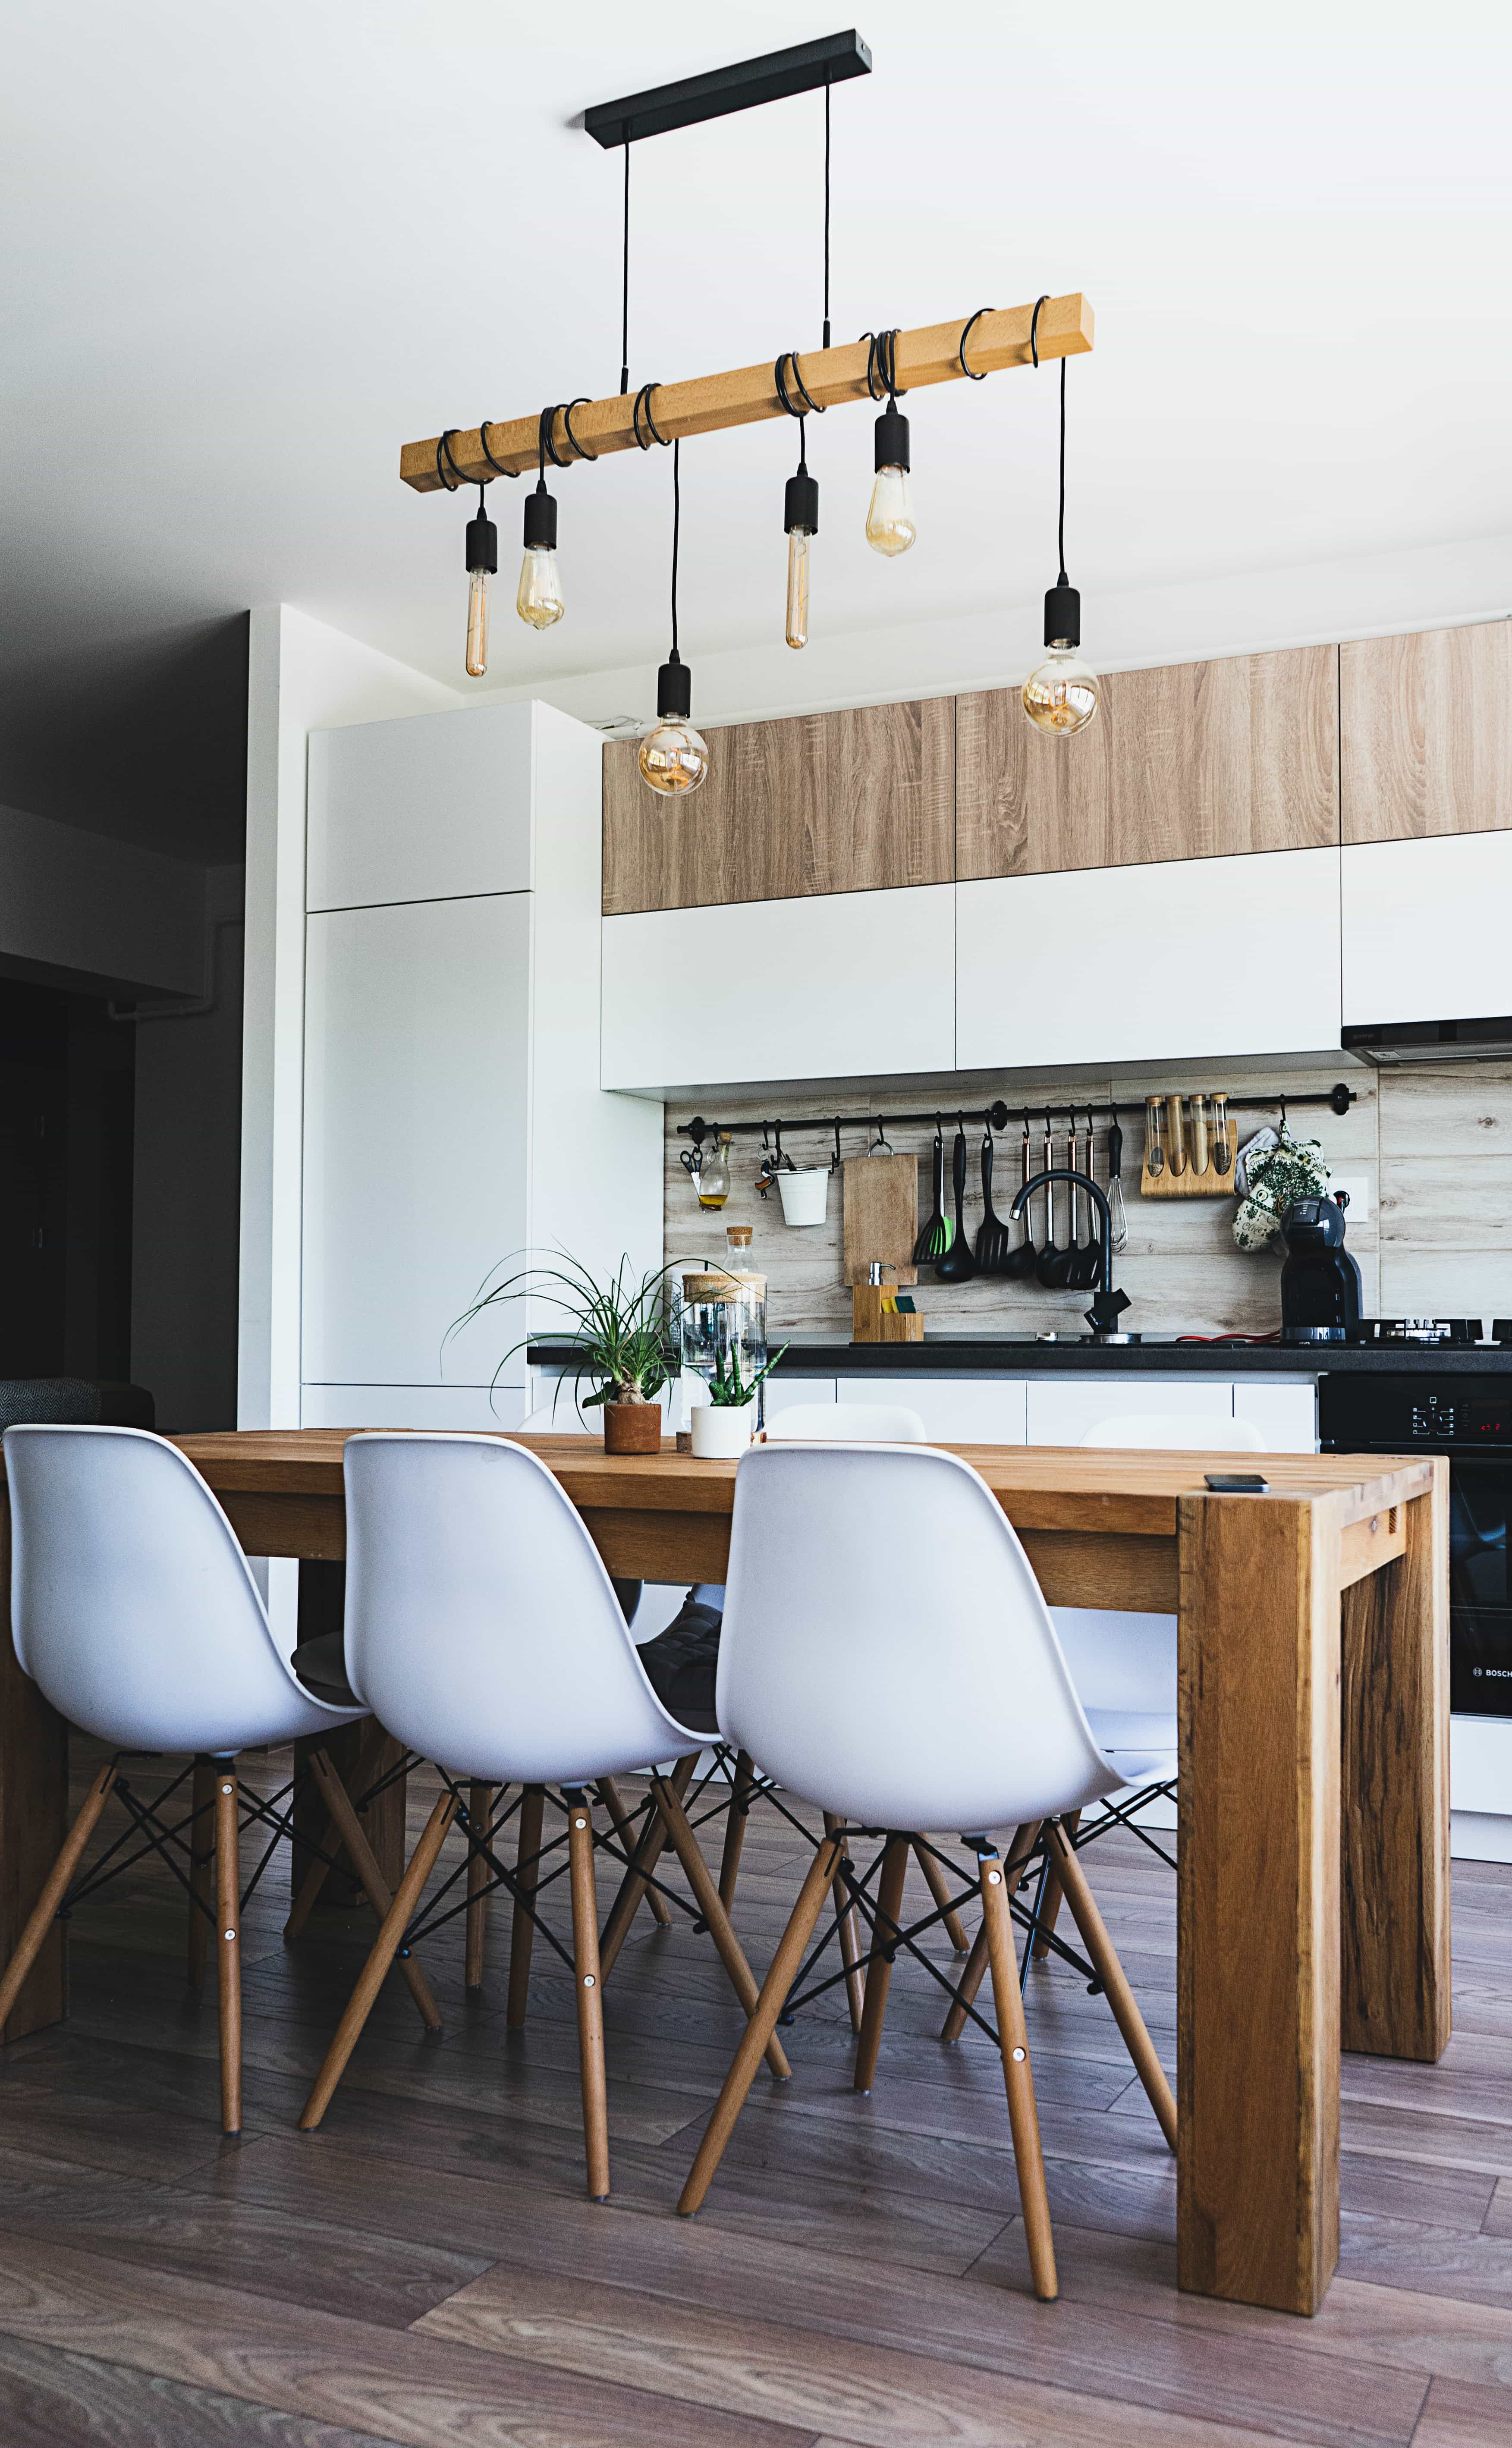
point(66, 1137)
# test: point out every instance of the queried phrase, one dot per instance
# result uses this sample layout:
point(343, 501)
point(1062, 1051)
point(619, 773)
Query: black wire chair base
point(166, 1839)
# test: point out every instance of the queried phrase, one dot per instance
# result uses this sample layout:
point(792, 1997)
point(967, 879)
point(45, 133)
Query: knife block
point(871, 1323)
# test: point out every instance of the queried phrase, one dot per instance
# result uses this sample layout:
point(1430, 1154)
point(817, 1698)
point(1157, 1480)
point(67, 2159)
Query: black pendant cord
point(676, 527)
point(826, 213)
point(624, 285)
point(1034, 352)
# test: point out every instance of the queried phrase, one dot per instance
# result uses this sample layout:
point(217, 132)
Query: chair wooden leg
point(734, 1827)
point(201, 1865)
point(396, 1921)
point(633, 1885)
point(228, 1941)
point(589, 1987)
point(44, 1913)
point(763, 2022)
point(879, 1971)
point(480, 1811)
point(935, 1880)
point(1049, 1912)
point(1013, 2040)
point(1110, 1972)
point(856, 1980)
point(343, 1814)
point(971, 1981)
point(521, 1932)
point(360, 1770)
point(608, 1794)
point(706, 1895)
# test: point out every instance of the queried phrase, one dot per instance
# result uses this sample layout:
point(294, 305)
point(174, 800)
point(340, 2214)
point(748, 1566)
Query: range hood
point(1393, 1045)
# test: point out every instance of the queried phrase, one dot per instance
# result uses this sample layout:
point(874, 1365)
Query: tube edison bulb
point(797, 629)
point(477, 654)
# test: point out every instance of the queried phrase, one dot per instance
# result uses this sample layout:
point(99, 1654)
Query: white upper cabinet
point(1426, 934)
point(829, 986)
point(1186, 958)
point(415, 1147)
point(427, 809)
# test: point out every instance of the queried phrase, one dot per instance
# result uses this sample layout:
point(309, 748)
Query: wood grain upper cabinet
point(848, 802)
point(1427, 725)
point(1194, 761)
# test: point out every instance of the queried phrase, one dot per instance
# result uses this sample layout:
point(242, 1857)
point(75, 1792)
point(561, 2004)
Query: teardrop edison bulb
point(1060, 694)
point(539, 597)
point(890, 514)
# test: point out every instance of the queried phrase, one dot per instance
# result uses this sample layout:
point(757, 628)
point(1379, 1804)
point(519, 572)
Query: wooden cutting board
point(881, 1215)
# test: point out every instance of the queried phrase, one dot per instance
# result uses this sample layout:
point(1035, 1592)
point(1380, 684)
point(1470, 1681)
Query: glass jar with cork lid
point(724, 1325)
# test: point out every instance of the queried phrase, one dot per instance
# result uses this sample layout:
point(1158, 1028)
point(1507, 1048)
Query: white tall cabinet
point(453, 1114)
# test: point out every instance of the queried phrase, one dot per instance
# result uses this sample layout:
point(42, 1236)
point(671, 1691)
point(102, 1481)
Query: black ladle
point(992, 1241)
point(1103, 1317)
point(958, 1265)
point(1021, 1260)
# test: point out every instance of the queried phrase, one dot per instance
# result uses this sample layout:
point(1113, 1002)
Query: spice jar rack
point(1190, 1147)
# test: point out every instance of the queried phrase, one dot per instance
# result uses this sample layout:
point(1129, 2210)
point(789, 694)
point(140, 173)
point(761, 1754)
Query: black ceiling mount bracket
point(741, 87)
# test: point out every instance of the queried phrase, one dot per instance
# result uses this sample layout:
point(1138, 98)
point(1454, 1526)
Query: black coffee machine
point(1320, 1282)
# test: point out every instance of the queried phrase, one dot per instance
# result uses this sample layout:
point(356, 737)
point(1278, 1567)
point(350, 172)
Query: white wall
point(301, 675)
point(99, 908)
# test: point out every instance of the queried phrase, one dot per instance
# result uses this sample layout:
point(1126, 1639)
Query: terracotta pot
point(632, 1428)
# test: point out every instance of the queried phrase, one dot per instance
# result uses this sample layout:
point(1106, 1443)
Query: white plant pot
point(721, 1431)
point(805, 1195)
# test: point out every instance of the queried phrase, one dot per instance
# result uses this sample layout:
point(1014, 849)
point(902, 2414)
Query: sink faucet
point(1103, 1317)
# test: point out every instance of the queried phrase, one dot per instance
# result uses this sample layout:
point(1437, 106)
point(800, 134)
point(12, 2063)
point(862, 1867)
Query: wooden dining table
point(1314, 1804)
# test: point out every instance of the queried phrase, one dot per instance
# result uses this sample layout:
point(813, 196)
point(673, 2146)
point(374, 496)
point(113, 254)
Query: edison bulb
point(539, 599)
point(1061, 695)
point(477, 655)
point(673, 756)
point(798, 587)
point(889, 517)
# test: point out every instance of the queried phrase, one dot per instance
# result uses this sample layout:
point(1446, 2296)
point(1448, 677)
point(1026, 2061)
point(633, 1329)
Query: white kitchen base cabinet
point(1185, 959)
point(453, 1121)
point(1425, 933)
point(834, 986)
point(955, 1410)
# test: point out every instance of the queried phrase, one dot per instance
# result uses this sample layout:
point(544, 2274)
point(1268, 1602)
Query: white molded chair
point(134, 1609)
point(1124, 1665)
point(484, 1632)
point(909, 1680)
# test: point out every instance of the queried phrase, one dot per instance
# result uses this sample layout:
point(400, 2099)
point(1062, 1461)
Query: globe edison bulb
point(890, 513)
point(538, 599)
point(1060, 694)
point(674, 757)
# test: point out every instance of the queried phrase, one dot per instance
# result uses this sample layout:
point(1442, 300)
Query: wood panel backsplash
point(1432, 1149)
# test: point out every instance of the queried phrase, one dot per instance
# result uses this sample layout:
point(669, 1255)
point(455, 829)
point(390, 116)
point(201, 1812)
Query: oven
point(1469, 1418)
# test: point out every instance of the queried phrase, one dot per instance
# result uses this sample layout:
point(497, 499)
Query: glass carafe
point(714, 1181)
point(722, 1328)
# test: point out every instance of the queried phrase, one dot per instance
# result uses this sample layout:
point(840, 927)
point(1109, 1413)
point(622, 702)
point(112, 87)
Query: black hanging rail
point(995, 1116)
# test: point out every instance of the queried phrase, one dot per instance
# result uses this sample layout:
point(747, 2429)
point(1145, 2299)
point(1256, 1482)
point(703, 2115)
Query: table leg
point(1257, 1951)
point(33, 1820)
point(1396, 1803)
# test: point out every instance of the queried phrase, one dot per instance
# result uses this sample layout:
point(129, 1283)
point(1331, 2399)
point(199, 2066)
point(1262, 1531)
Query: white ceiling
point(251, 251)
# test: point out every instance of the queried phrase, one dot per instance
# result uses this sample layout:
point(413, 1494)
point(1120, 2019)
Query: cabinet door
point(955, 1410)
point(1425, 930)
point(1195, 760)
point(1204, 957)
point(1285, 1413)
point(414, 1143)
point(847, 986)
point(1426, 730)
point(425, 809)
point(850, 802)
point(1062, 1410)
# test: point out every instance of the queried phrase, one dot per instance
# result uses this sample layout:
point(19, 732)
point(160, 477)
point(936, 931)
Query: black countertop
point(1013, 1355)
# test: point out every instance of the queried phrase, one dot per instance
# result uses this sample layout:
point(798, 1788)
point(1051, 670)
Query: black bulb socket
point(483, 544)
point(801, 509)
point(1063, 614)
point(674, 690)
point(892, 433)
point(540, 519)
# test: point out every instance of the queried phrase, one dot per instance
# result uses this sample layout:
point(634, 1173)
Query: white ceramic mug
point(721, 1431)
point(805, 1195)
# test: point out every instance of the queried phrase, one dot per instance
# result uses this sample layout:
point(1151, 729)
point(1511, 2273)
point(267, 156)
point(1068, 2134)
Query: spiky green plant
point(619, 1330)
point(728, 1389)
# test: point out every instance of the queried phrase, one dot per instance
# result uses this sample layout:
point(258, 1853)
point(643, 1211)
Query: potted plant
point(724, 1426)
point(620, 1334)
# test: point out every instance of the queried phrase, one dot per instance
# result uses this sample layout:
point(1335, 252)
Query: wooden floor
point(425, 2269)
